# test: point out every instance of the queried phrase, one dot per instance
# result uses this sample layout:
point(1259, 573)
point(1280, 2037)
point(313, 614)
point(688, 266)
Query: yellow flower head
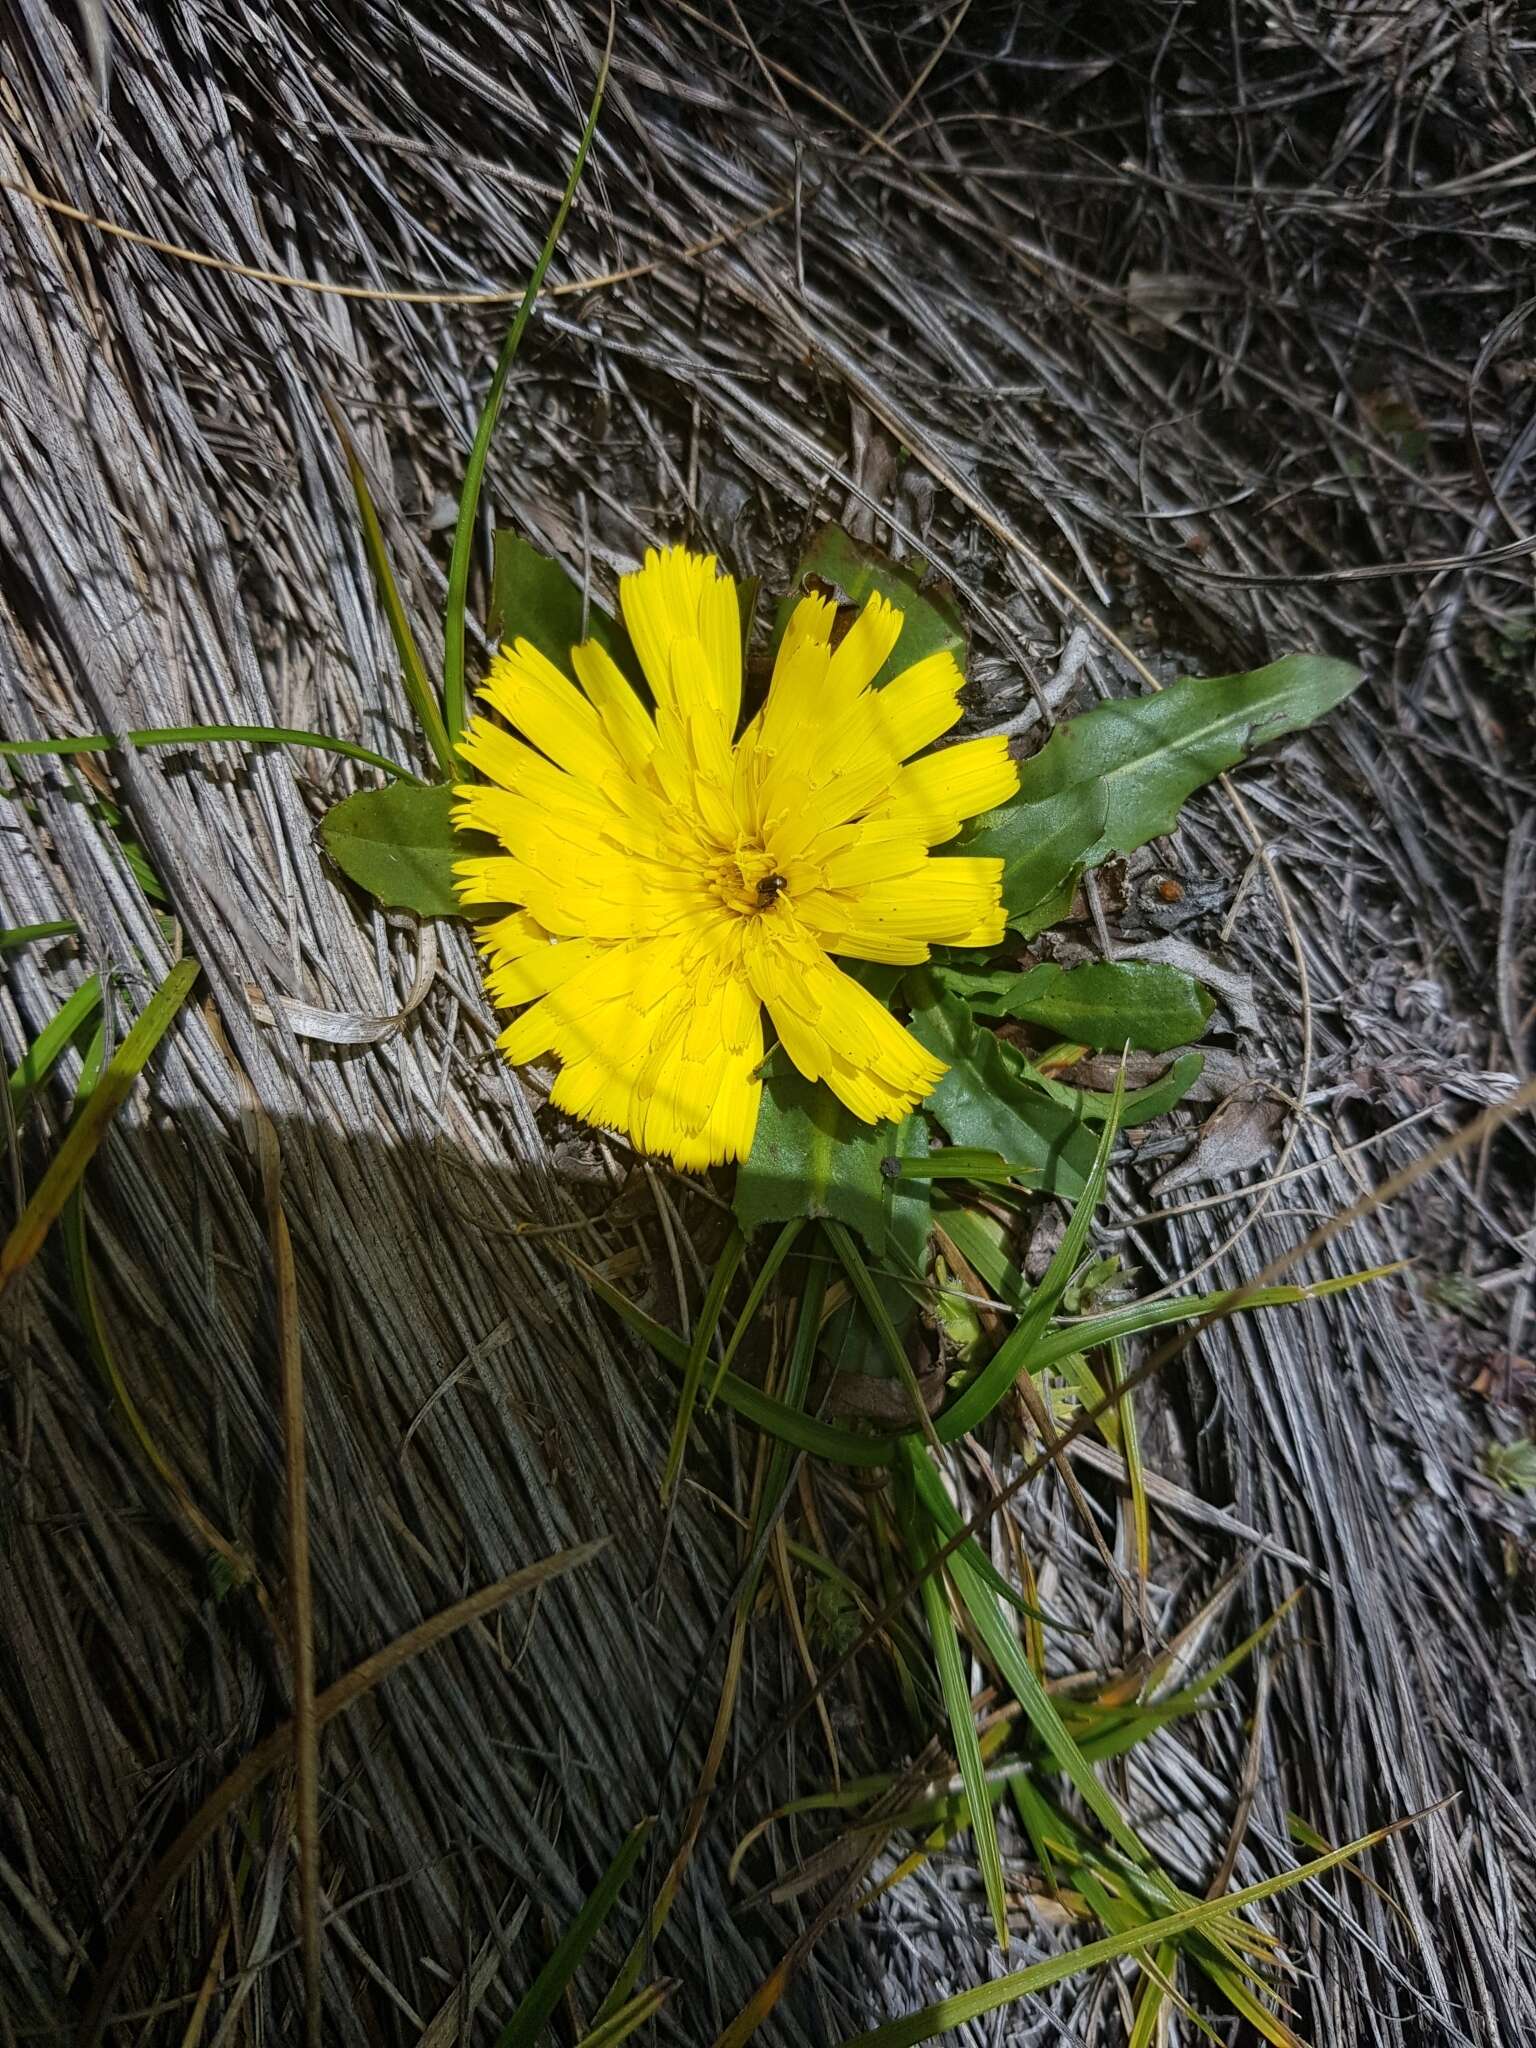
point(675, 881)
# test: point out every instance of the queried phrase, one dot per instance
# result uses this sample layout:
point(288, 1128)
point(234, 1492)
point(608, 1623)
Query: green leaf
point(930, 624)
point(812, 1157)
point(1147, 754)
point(1108, 1003)
point(532, 598)
point(1044, 844)
point(1017, 1352)
point(1139, 1106)
point(984, 1102)
point(527, 2024)
point(957, 1162)
point(399, 845)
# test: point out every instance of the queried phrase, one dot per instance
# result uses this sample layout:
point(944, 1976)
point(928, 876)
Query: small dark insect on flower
point(768, 889)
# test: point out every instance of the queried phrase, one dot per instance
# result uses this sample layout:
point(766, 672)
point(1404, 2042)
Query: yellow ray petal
point(597, 1080)
point(612, 1001)
point(935, 794)
point(911, 712)
point(677, 595)
point(534, 974)
point(625, 719)
point(950, 901)
point(698, 1089)
point(795, 697)
point(650, 1049)
point(837, 1032)
point(834, 921)
point(851, 767)
point(811, 620)
point(487, 878)
point(531, 694)
point(873, 858)
point(583, 893)
point(579, 815)
point(862, 652)
point(510, 937)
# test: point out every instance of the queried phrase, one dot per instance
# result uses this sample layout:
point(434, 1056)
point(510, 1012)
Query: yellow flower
point(673, 881)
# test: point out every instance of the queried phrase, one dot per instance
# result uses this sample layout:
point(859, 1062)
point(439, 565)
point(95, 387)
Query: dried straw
point(1202, 321)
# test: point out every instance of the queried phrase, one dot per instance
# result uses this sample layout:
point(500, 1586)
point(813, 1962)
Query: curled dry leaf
point(1234, 1137)
point(352, 1027)
point(1223, 1074)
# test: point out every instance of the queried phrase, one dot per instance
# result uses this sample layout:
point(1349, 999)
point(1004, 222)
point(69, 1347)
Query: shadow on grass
point(470, 1409)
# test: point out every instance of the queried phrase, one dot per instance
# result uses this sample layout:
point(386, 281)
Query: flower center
point(748, 881)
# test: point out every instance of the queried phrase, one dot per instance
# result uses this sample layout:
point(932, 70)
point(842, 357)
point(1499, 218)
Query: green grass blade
point(24, 934)
point(847, 1447)
point(474, 473)
point(1189, 1697)
point(1036, 1818)
point(930, 1489)
point(1123, 1421)
point(937, 2019)
point(1002, 1646)
point(874, 1307)
point(196, 735)
point(1265, 2023)
point(1137, 1318)
point(89, 1128)
point(976, 1163)
point(801, 1432)
point(548, 1988)
point(947, 1516)
point(101, 810)
point(1085, 1383)
point(777, 1253)
point(46, 1050)
point(77, 1255)
point(413, 670)
point(1016, 1353)
point(982, 1251)
point(767, 1497)
point(628, 2019)
point(797, 1382)
point(1154, 1997)
point(945, 1640)
point(698, 1353)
